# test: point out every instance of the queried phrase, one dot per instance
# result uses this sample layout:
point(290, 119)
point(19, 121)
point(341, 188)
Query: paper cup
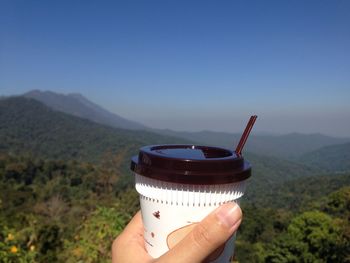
point(172, 207)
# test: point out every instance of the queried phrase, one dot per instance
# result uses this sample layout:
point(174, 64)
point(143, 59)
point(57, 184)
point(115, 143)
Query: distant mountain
point(289, 146)
point(77, 105)
point(331, 158)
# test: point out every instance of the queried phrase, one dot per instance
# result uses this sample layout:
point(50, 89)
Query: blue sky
point(187, 65)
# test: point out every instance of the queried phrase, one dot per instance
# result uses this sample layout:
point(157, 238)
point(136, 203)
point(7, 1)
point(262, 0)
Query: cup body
point(179, 185)
point(171, 210)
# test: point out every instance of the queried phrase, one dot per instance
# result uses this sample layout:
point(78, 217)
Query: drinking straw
point(245, 134)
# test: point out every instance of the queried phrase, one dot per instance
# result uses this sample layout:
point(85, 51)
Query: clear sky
point(187, 65)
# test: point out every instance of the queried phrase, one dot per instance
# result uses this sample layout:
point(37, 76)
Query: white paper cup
point(171, 209)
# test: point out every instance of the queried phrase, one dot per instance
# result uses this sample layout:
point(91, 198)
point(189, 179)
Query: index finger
point(129, 245)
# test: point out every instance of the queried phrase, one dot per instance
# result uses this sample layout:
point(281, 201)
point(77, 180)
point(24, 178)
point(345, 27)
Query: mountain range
point(288, 146)
point(70, 136)
point(29, 126)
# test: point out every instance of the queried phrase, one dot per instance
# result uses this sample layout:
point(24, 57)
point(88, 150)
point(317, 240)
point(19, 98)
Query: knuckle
point(201, 236)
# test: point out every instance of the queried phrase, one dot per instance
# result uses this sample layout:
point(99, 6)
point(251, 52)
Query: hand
point(212, 232)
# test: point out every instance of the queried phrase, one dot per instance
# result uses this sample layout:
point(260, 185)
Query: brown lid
point(190, 164)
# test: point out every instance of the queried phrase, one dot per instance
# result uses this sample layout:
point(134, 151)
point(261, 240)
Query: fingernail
point(229, 214)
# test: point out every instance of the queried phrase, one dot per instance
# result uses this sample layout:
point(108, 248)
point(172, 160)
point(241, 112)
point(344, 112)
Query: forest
point(67, 192)
point(39, 197)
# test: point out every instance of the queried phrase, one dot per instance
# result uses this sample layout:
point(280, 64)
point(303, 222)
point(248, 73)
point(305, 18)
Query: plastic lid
point(190, 164)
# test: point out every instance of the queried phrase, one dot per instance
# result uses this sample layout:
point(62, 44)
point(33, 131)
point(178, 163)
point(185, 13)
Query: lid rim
point(172, 163)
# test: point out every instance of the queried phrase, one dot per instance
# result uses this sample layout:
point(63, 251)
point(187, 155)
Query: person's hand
point(212, 232)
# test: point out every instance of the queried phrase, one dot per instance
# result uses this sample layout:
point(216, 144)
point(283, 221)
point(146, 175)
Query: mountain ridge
point(76, 104)
point(286, 146)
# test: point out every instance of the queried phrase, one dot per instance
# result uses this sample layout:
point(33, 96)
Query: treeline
point(320, 233)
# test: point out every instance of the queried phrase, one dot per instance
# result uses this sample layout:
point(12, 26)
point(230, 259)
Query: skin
point(206, 237)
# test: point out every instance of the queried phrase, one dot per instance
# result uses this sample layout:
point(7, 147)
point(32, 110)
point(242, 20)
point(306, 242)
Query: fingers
point(207, 236)
point(202, 241)
point(129, 245)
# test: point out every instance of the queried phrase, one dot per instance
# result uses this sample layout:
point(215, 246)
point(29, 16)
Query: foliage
point(268, 173)
point(330, 158)
point(92, 240)
point(43, 195)
point(283, 236)
point(128, 203)
point(338, 203)
point(311, 237)
point(16, 247)
point(299, 193)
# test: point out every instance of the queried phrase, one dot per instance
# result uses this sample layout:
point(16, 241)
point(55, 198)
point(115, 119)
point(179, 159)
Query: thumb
point(212, 232)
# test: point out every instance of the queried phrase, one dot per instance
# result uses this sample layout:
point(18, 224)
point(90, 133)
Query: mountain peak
point(76, 104)
point(36, 92)
point(76, 95)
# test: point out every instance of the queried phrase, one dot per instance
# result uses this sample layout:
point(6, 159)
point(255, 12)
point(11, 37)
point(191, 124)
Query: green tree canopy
point(311, 237)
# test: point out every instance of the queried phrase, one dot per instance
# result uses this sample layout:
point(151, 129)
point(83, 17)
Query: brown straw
point(245, 134)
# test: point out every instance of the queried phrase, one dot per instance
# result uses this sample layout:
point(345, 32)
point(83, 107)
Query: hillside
point(26, 125)
point(77, 105)
point(331, 158)
point(295, 194)
point(270, 172)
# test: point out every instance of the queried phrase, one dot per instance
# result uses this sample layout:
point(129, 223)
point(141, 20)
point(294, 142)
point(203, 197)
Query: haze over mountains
point(289, 146)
